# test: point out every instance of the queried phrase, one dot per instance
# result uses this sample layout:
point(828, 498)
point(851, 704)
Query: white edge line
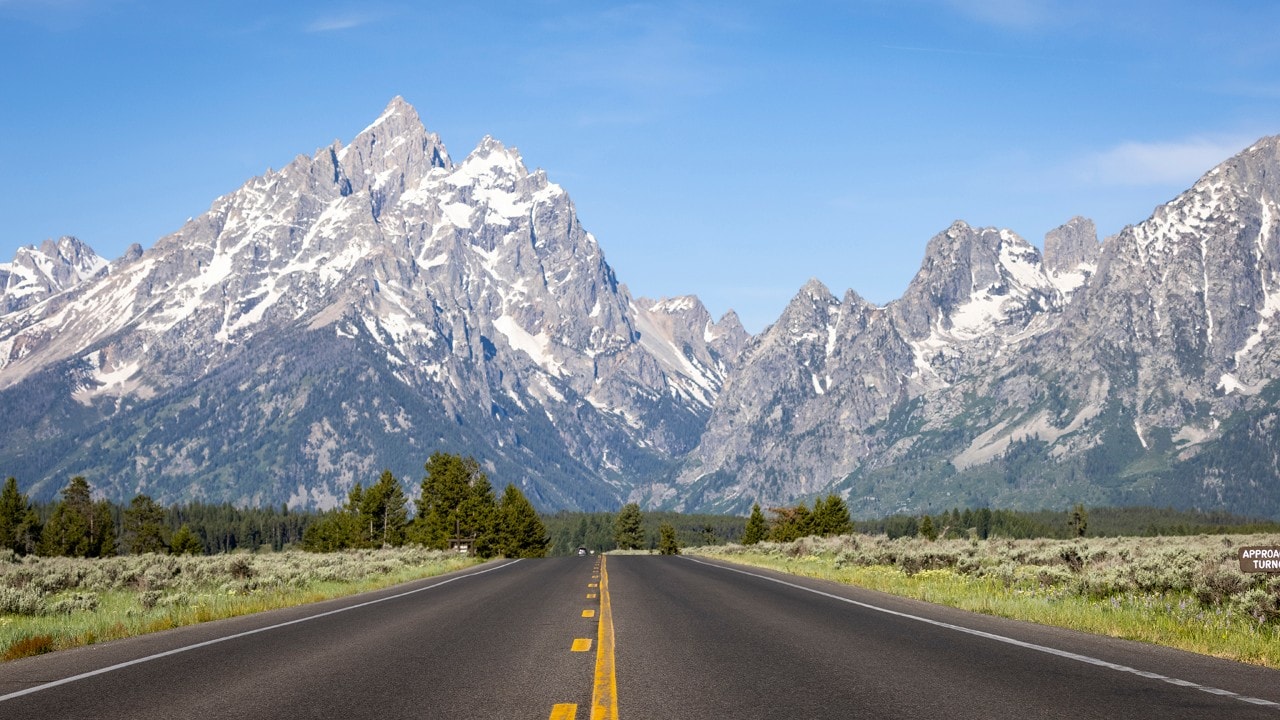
point(215, 641)
point(1004, 639)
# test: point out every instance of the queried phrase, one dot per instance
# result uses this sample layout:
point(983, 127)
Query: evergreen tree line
point(77, 525)
point(456, 508)
point(829, 516)
point(570, 530)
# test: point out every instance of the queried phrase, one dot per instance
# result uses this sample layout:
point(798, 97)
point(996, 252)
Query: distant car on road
point(582, 551)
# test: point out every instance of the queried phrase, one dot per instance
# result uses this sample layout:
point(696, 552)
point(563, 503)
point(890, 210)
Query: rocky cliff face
point(373, 303)
point(1071, 254)
point(1102, 374)
point(37, 273)
point(816, 396)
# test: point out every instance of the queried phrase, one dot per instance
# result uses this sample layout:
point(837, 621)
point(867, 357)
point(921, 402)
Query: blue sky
point(726, 149)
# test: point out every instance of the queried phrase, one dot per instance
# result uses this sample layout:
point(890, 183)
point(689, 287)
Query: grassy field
point(1182, 592)
point(54, 603)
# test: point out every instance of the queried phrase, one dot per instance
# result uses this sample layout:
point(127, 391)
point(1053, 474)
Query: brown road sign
point(1260, 559)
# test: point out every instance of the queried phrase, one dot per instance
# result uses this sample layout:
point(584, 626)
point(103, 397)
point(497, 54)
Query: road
point(691, 639)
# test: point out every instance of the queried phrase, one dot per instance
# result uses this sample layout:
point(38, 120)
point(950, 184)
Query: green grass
point(1181, 593)
point(51, 604)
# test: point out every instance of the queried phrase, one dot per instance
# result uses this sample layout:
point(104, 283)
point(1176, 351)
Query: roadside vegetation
point(1183, 592)
point(80, 570)
point(51, 603)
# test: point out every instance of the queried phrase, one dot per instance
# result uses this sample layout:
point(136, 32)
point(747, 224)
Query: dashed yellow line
point(588, 613)
point(604, 697)
point(581, 645)
point(564, 711)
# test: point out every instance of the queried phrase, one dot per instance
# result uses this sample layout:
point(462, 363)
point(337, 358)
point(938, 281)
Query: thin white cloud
point(337, 23)
point(1174, 162)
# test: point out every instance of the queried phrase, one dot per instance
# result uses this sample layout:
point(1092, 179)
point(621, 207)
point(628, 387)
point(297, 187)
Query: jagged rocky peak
point(498, 167)
point(684, 323)
point(1069, 246)
point(396, 147)
point(973, 280)
point(809, 309)
point(1193, 289)
point(1252, 170)
point(682, 320)
point(727, 336)
point(1071, 254)
point(38, 272)
point(681, 305)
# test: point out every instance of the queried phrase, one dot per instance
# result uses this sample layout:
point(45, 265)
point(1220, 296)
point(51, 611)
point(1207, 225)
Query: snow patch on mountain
point(36, 273)
point(537, 347)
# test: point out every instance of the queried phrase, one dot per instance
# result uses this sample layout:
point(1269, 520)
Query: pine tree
point(27, 537)
point(831, 517)
point(667, 543)
point(628, 528)
point(791, 523)
point(521, 533)
point(332, 531)
point(185, 542)
point(1078, 521)
point(144, 526)
point(446, 488)
point(381, 512)
point(79, 527)
point(927, 530)
point(756, 527)
point(982, 521)
point(14, 511)
point(478, 518)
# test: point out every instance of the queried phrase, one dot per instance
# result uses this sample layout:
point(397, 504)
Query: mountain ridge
point(370, 303)
point(466, 284)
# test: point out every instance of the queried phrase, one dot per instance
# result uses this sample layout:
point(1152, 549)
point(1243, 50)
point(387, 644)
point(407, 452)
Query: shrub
point(21, 601)
point(1261, 605)
point(1216, 586)
point(81, 601)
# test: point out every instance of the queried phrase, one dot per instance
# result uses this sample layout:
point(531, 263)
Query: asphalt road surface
point(642, 637)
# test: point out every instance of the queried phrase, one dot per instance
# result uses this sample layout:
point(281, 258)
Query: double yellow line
point(604, 697)
point(604, 694)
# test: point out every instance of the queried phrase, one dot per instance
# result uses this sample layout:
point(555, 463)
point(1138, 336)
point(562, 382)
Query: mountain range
point(371, 303)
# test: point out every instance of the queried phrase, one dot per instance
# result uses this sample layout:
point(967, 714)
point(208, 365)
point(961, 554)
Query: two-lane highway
point(496, 642)
point(699, 639)
point(691, 639)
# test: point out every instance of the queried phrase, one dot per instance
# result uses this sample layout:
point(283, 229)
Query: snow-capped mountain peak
point(466, 297)
point(976, 282)
point(35, 273)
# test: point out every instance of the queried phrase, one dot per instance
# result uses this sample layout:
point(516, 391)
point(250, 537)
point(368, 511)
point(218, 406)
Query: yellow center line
point(564, 711)
point(604, 698)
